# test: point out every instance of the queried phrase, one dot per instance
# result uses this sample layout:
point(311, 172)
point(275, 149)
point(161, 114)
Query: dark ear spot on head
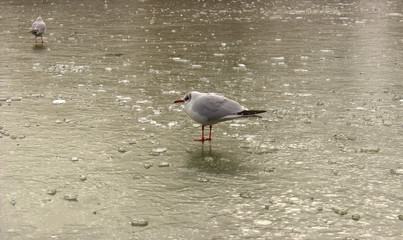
point(187, 97)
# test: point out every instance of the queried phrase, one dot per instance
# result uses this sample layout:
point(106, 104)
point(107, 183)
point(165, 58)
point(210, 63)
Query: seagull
point(38, 28)
point(212, 108)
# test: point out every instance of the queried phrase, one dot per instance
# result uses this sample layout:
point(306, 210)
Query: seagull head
point(187, 97)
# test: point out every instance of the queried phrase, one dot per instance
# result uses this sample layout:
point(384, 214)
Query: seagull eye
point(187, 97)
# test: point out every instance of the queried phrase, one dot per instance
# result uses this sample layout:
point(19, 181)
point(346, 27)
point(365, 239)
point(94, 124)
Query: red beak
point(180, 100)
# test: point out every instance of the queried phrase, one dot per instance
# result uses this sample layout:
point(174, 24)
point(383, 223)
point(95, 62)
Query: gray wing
point(215, 106)
point(39, 26)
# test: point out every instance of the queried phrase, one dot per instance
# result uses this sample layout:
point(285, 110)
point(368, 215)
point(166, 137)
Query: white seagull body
point(38, 28)
point(212, 108)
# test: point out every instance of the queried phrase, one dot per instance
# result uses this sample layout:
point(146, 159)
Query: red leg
point(202, 138)
point(209, 137)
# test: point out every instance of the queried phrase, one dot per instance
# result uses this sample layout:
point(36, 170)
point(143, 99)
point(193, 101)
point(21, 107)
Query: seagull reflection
point(38, 47)
point(215, 161)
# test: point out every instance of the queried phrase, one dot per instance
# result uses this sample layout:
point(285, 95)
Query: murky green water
point(91, 142)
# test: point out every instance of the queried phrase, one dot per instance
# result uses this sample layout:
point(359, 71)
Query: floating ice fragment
point(236, 125)
point(171, 124)
point(139, 222)
point(340, 211)
point(157, 112)
point(142, 101)
point(269, 169)
point(158, 151)
point(262, 222)
point(70, 197)
point(394, 14)
point(122, 150)
point(163, 164)
point(355, 217)
point(36, 66)
point(170, 92)
point(51, 192)
point(121, 98)
point(202, 179)
point(304, 94)
point(361, 21)
point(178, 59)
point(247, 195)
point(218, 54)
point(370, 150)
point(143, 120)
point(398, 171)
point(123, 81)
point(148, 165)
point(16, 99)
point(59, 101)
point(327, 51)
point(65, 68)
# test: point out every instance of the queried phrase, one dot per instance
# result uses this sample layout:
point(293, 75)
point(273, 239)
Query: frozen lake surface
point(92, 146)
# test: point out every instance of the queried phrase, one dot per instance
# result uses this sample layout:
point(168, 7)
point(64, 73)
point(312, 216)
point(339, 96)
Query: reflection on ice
point(207, 159)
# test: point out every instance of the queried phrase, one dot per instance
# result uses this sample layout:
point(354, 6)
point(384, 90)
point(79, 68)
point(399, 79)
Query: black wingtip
point(250, 112)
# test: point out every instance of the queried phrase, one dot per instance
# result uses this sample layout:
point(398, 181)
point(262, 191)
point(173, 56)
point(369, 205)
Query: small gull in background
point(212, 108)
point(38, 28)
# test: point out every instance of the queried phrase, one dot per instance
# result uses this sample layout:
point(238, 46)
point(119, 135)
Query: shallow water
point(91, 141)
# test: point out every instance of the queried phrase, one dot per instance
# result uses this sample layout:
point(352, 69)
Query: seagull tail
point(250, 112)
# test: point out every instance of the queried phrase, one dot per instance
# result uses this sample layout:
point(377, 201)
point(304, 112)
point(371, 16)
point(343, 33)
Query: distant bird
point(38, 28)
point(212, 108)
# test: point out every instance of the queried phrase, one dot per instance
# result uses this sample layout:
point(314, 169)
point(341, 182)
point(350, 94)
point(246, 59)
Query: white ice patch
point(327, 51)
point(218, 54)
point(123, 81)
point(178, 59)
point(172, 124)
point(262, 222)
point(170, 92)
point(59, 101)
point(123, 99)
point(301, 70)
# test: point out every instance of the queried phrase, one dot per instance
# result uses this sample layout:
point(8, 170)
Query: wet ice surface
point(92, 146)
